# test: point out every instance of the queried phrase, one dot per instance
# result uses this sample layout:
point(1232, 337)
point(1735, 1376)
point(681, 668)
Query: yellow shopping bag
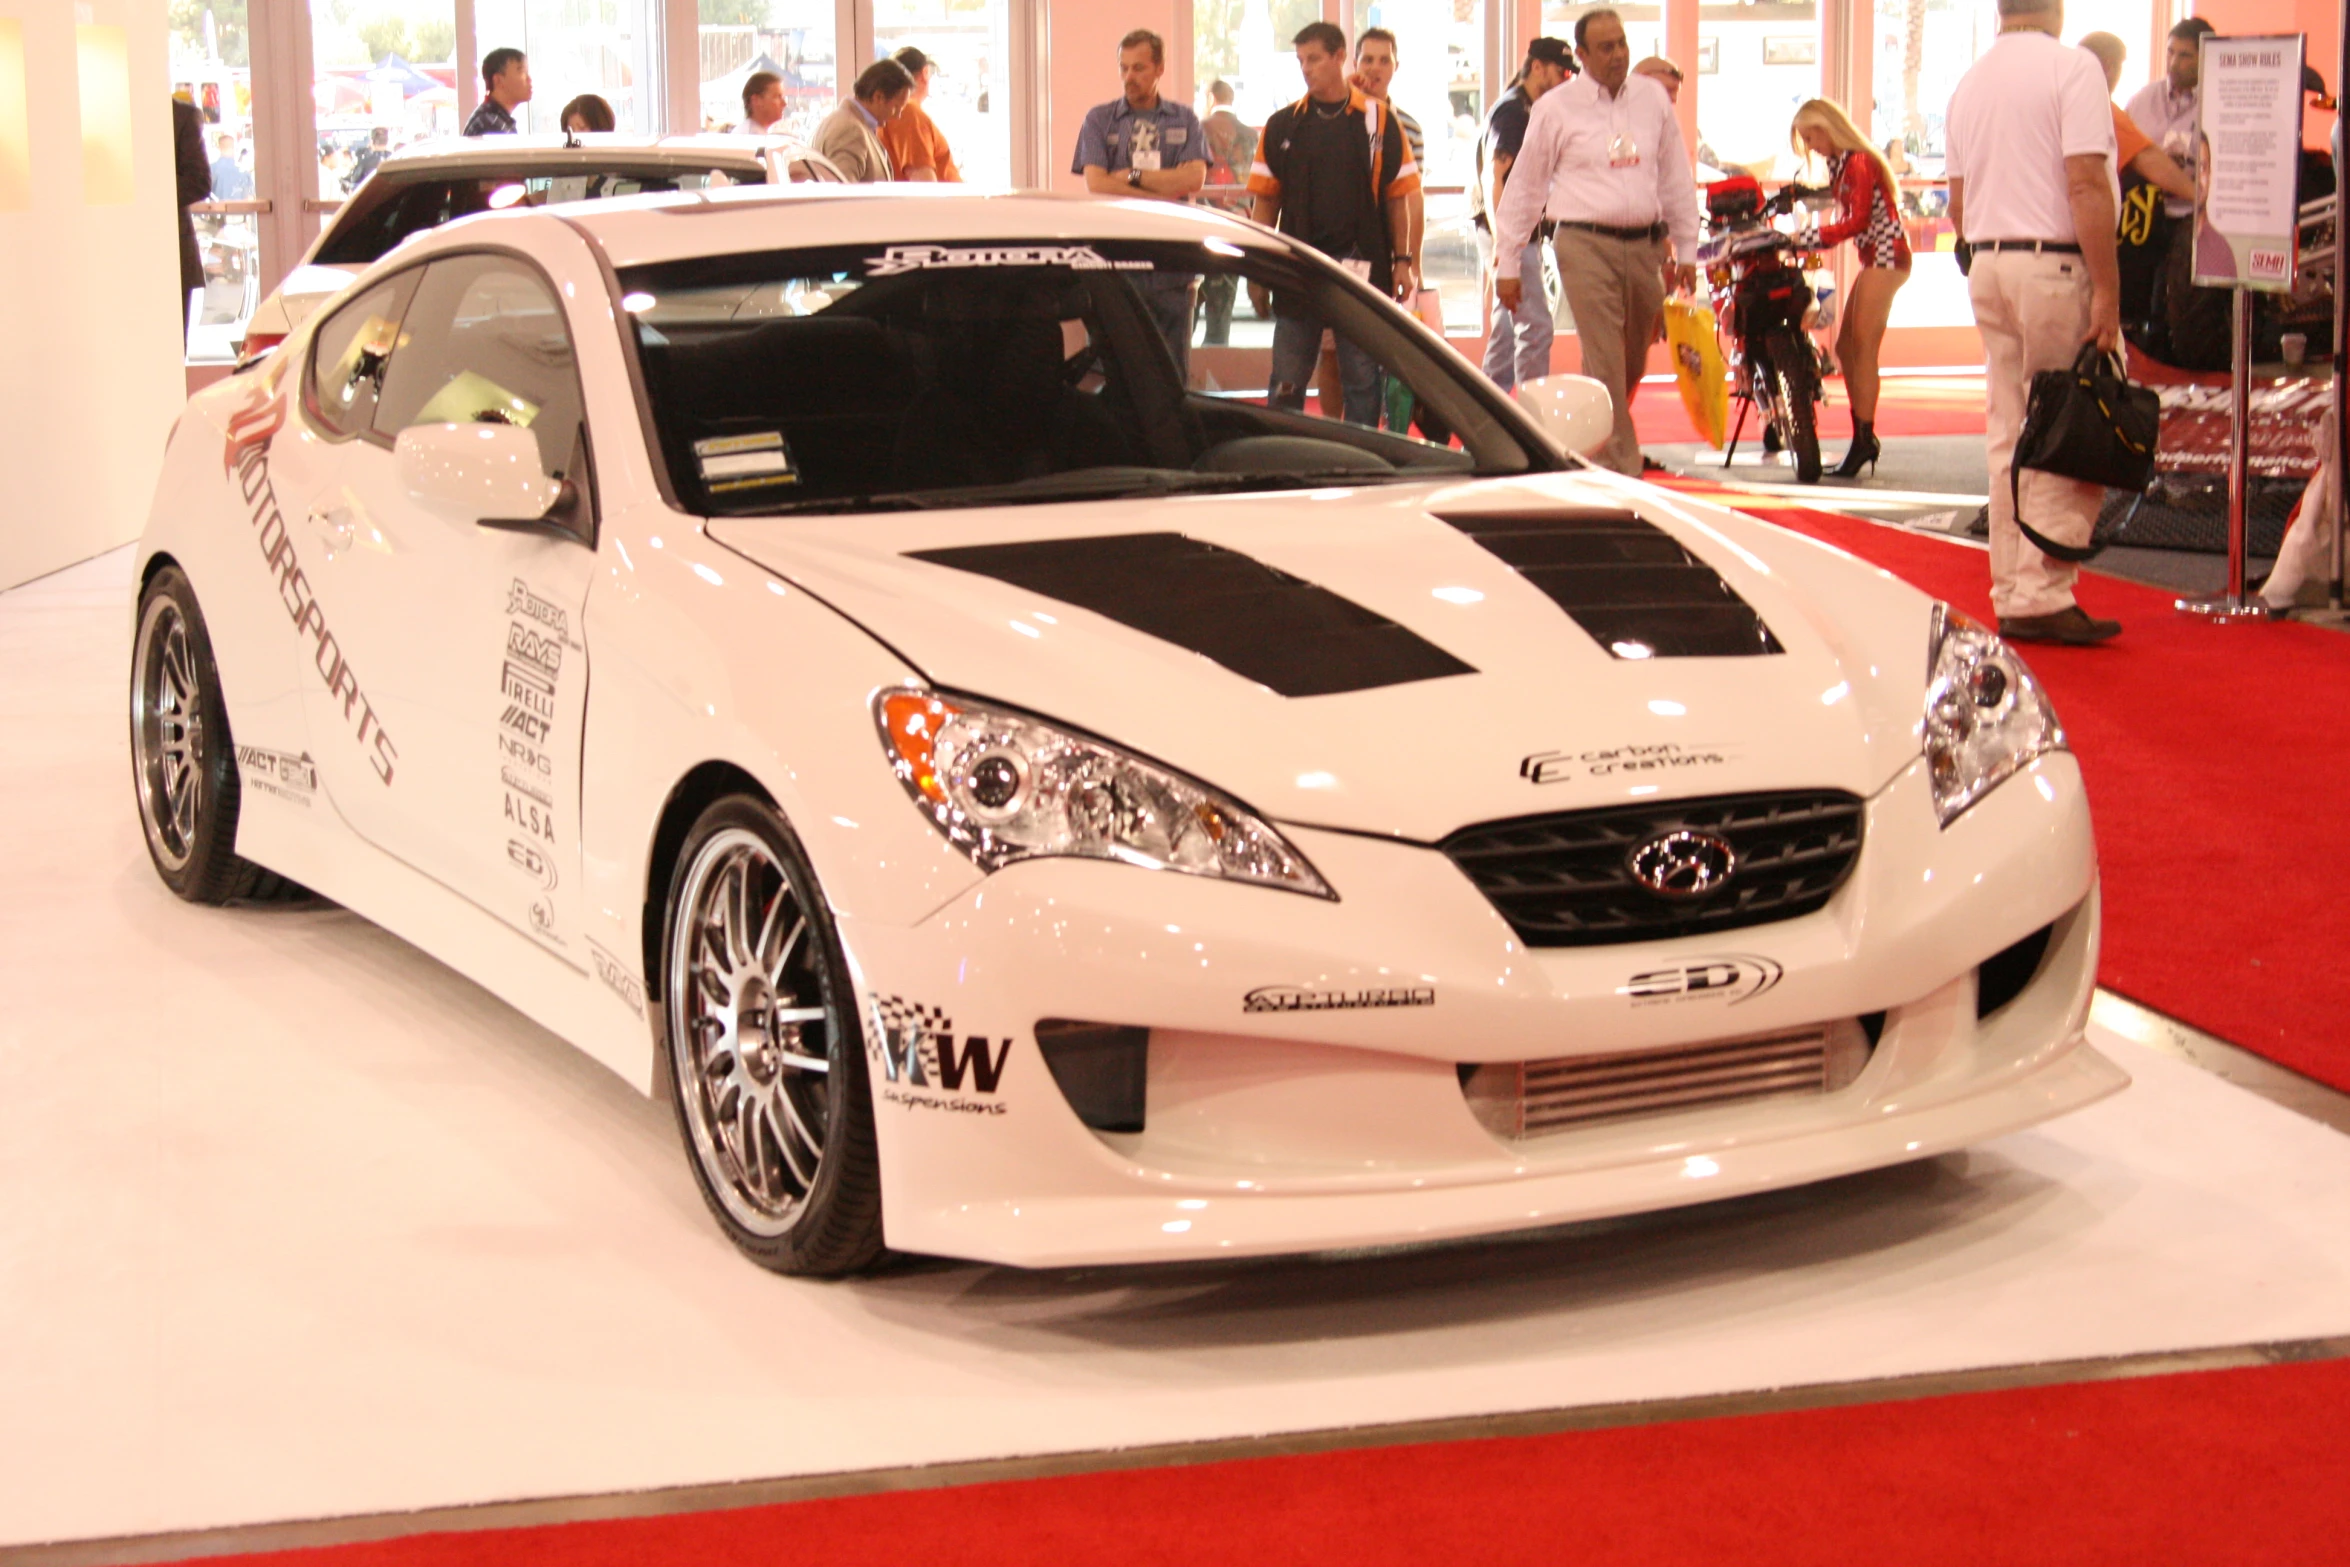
point(1698, 368)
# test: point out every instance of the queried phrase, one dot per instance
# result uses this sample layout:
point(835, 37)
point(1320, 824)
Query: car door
point(461, 640)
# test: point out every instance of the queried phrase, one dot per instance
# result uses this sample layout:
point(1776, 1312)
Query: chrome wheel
point(752, 1026)
point(168, 734)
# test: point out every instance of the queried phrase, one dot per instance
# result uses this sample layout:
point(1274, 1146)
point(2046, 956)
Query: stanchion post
point(2232, 605)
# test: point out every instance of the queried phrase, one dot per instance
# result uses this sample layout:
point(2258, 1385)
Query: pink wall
point(2320, 19)
point(1084, 44)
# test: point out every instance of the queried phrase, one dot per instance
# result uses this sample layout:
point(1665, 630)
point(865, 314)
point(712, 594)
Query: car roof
point(459, 153)
point(642, 230)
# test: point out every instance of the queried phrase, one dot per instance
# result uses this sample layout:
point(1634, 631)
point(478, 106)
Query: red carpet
point(2225, 1466)
point(2218, 760)
point(1907, 405)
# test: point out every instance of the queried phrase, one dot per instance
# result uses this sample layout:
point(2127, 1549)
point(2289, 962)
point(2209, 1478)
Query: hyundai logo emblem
point(1683, 864)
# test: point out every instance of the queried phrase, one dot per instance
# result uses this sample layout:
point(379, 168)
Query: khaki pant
point(1614, 289)
point(2033, 312)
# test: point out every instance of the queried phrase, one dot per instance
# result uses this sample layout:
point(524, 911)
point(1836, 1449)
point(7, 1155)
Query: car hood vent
point(1624, 580)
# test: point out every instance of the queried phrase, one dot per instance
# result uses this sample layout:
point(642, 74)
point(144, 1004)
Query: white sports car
point(811, 650)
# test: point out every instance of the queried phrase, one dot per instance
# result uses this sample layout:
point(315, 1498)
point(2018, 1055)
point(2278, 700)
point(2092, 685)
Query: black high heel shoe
point(1865, 448)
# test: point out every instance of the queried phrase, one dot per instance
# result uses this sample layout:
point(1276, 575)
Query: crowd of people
point(1584, 158)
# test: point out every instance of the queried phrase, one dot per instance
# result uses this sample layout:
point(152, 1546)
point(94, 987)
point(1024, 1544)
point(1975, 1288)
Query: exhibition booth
point(1280, 988)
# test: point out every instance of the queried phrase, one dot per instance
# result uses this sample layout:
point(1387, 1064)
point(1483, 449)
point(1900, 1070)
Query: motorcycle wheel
point(1796, 392)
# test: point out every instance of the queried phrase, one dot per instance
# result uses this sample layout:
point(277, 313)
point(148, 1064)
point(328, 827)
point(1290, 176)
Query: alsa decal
point(1732, 979)
point(275, 772)
point(531, 817)
point(915, 258)
point(521, 601)
point(532, 862)
point(302, 607)
point(1296, 998)
point(916, 1048)
point(617, 979)
point(1549, 767)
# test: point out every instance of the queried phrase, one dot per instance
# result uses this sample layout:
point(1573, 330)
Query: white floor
point(295, 1223)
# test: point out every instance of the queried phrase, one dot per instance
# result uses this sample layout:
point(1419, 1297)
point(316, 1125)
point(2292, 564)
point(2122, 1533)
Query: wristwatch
point(1134, 178)
point(1400, 259)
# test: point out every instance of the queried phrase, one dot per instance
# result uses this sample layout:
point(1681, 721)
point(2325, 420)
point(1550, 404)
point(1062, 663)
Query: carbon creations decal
point(1262, 624)
point(1549, 767)
point(1624, 580)
point(1296, 998)
point(925, 1068)
point(1729, 979)
point(250, 430)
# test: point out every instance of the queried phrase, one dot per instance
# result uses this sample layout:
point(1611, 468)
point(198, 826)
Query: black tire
point(183, 757)
point(755, 990)
point(1795, 386)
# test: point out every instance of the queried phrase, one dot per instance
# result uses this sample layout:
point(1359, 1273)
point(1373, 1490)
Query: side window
point(350, 355)
point(485, 343)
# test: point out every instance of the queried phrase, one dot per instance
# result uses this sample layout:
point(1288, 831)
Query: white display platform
point(296, 1223)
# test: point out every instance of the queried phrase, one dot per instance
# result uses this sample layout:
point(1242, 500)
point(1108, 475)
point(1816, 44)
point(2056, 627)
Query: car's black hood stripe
point(1624, 580)
point(1273, 628)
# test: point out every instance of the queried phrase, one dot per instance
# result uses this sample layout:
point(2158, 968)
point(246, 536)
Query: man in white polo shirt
point(2032, 195)
point(1604, 159)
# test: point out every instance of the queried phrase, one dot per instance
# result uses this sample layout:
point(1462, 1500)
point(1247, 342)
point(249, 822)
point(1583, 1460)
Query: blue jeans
point(1518, 348)
point(1297, 354)
point(1168, 296)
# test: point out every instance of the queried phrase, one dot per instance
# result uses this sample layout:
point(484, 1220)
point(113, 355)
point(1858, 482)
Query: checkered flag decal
point(906, 1035)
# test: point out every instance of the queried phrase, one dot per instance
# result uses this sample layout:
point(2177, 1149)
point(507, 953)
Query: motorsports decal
point(924, 1068)
point(1295, 998)
point(916, 258)
point(247, 455)
point(1549, 767)
point(538, 632)
point(1730, 979)
point(292, 778)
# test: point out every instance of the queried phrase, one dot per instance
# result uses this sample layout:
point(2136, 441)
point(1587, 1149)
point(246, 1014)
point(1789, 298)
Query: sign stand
point(2247, 228)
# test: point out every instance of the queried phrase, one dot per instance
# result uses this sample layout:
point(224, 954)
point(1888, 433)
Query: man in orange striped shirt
point(917, 148)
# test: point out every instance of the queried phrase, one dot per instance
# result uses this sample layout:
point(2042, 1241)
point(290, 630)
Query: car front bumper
point(1345, 1123)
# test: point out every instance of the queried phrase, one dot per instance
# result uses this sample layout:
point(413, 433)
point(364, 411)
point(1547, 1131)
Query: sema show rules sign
point(2247, 161)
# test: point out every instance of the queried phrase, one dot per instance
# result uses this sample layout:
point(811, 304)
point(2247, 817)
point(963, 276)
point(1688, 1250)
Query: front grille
point(1516, 1099)
point(1566, 881)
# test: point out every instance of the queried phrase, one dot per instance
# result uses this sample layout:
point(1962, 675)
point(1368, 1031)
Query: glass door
point(794, 39)
point(212, 68)
point(970, 94)
point(605, 47)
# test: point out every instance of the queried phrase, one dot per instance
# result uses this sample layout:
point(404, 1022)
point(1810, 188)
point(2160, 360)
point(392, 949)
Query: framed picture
point(1797, 50)
point(1709, 56)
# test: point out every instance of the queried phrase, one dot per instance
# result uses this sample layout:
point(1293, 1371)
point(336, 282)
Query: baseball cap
point(1552, 51)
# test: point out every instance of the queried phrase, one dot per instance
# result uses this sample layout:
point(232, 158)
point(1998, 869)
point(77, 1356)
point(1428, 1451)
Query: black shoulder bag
point(2087, 423)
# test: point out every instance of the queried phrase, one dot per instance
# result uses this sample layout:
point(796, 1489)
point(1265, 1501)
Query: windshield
point(397, 203)
point(880, 377)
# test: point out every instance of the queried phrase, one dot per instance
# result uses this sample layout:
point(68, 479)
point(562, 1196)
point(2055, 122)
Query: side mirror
point(1573, 410)
point(476, 472)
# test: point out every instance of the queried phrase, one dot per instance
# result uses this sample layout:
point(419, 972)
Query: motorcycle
point(1764, 305)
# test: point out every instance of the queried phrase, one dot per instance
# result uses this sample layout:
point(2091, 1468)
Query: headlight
point(1985, 714)
point(1003, 786)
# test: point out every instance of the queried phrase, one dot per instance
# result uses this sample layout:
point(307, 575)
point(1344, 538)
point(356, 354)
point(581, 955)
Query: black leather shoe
point(2072, 625)
point(1864, 449)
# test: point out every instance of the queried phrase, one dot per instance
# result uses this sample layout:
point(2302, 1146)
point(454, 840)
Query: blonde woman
point(1868, 212)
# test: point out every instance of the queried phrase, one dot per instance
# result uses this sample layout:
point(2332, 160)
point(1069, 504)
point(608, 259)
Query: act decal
point(290, 777)
point(249, 454)
point(925, 1067)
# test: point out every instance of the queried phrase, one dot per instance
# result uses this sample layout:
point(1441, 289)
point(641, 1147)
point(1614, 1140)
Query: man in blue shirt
point(505, 82)
point(1145, 145)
